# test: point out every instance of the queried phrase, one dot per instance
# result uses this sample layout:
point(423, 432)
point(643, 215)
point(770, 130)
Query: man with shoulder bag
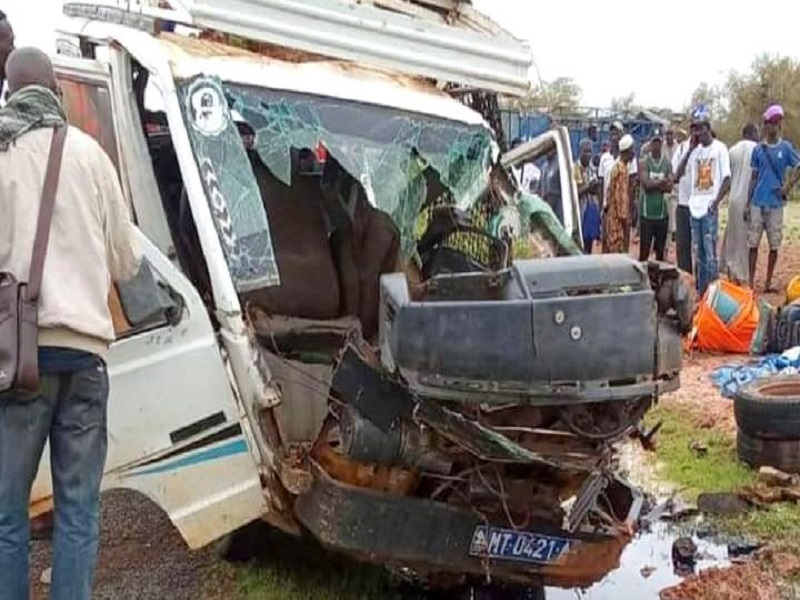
point(65, 232)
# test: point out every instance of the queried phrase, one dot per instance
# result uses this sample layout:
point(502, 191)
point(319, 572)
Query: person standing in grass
point(770, 161)
point(655, 175)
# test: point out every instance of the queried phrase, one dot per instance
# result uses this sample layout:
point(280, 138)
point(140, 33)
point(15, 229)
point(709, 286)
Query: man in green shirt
point(655, 175)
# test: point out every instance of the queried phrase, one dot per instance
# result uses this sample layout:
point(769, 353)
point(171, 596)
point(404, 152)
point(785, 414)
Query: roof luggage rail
point(445, 40)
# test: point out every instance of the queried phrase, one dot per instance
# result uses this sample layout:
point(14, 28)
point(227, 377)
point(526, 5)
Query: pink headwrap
point(773, 113)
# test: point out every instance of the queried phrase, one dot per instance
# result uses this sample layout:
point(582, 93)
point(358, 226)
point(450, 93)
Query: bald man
point(6, 45)
point(91, 238)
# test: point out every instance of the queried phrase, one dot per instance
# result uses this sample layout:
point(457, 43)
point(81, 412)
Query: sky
point(611, 48)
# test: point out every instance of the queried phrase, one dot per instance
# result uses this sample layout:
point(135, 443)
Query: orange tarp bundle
point(711, 334)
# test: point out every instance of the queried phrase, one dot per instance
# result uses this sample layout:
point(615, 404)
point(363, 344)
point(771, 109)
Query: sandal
point(770, 289)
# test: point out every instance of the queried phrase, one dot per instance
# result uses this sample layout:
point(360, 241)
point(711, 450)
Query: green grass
point(299, 569)
point(718, 471)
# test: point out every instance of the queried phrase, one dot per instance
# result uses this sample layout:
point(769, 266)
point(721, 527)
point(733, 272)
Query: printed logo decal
point(207, 107)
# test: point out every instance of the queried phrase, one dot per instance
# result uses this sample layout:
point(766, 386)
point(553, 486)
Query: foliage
point(561, 93)
point(717, 471)
point(744, 96)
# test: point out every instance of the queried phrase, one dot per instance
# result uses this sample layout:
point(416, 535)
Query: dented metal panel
point(358, 32)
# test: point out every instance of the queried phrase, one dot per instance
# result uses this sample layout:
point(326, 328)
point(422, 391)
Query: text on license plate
point(491, 542)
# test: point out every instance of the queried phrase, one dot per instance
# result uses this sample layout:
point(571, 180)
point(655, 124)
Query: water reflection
point(649, 554)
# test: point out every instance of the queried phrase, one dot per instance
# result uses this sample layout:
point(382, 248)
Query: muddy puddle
point(647, 565)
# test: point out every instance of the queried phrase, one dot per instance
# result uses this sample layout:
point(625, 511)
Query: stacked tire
point(768, 421)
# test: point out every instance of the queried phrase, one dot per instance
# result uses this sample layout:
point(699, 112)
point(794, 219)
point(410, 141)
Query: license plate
point(509, 544)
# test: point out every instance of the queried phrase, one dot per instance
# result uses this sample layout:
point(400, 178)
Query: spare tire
point(783, 455)
point(769, 408)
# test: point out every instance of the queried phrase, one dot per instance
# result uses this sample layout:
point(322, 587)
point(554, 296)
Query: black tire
point(769, 408)
point(780, 454)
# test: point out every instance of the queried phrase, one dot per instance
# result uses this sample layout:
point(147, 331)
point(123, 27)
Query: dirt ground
point(142, 556)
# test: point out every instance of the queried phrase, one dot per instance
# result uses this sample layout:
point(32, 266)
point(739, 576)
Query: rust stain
point(395, 480)
point(211, 45)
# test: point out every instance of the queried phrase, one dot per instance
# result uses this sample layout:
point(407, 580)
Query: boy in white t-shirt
point(708, 169)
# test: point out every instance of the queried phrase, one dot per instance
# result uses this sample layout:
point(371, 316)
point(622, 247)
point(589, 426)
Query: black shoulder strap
point(46, 213)
point(772, 165)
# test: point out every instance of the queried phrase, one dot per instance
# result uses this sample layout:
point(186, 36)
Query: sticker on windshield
point(207, 107)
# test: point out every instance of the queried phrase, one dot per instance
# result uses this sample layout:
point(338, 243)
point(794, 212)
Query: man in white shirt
point(683, 218)
point(708, 168)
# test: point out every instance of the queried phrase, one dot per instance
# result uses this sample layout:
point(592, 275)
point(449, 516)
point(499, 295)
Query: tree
point(773, 79)
point(561, 93)
point(744, 97)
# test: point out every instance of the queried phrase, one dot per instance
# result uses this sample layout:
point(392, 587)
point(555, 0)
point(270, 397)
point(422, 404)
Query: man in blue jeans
point(770, 161)
point(91, 242)
point(708, 168)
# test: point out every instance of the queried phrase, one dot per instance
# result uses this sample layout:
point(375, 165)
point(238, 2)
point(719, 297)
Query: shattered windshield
point(384, 149)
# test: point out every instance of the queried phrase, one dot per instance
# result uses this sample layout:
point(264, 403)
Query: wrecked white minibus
point(331, 332)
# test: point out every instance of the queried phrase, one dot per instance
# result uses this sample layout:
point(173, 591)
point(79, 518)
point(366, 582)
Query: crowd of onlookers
point(671, 192)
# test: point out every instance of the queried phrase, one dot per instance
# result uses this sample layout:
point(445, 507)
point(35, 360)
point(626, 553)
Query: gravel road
point(142, 556)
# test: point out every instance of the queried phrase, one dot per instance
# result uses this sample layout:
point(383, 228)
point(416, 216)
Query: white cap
point(625, 143)
point(618, 126)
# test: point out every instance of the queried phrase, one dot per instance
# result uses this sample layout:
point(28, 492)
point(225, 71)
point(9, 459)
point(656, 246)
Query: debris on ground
point(777, 478)
point(742, 548)
point(729, 378)
point(698, 448)
point(722, 504)
point(684, 555)
point(738, 582)
point(673, 509)
point(773, 486)
point(47, 576)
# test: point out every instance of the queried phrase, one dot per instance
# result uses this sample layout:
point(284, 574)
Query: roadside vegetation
point(717, 469)
point(299, 569)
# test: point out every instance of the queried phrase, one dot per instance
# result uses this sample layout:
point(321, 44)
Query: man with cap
point(616, 219)
point(608, 158)
point(655, 175)
point(768, 191)
point(707, 165)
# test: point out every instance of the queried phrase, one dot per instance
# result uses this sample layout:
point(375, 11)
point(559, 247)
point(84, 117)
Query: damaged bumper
point(434, 538)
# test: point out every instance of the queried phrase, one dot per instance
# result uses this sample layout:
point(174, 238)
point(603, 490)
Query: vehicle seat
point(309, 285)
point(365, 248)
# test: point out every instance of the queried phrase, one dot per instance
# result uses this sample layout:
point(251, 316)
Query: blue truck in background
point(523, 126)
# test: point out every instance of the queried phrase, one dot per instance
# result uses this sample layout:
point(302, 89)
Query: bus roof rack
point(445, 40)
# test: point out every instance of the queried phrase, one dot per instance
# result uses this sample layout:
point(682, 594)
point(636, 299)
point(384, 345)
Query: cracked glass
point(386, 150)
point(230, 186)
